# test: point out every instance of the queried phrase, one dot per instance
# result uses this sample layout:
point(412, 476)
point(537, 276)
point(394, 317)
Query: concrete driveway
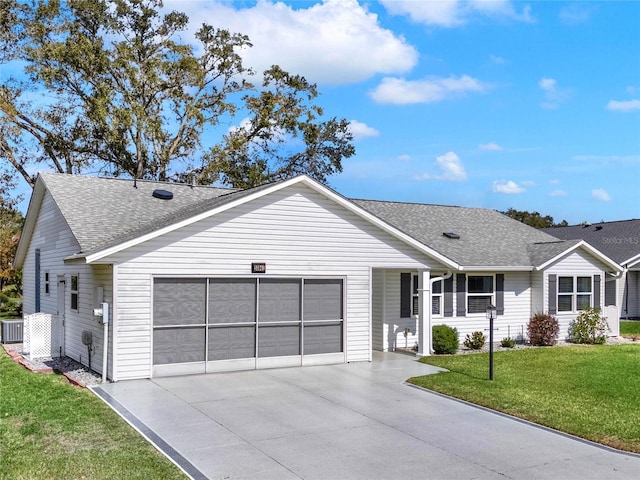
point(352, 421)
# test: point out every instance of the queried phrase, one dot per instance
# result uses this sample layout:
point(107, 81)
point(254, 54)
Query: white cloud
point(490, 146)
point(553, 95)
point(404, 157)
point(528, 183)
point(510, 187)
point(600, 194)
point(399, 91)
point(623, 106)
point(452, 13)
point(450, 169)
point(497, 59)
point(575, 14)
point(558, 193)
point(362, 130)
point(554, 181)
point(336, 41)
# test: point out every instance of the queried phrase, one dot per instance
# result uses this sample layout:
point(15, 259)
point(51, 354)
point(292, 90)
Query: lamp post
point(491, 314)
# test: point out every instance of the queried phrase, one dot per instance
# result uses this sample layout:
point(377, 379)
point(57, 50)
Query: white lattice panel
point(42, 335)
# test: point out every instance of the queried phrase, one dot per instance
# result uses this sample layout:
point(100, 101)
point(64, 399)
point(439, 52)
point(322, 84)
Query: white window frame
point(75, 293)
point(574, 294)
point(491, 295)
point(438, 296)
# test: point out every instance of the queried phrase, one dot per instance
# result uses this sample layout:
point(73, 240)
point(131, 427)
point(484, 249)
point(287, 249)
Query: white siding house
point(202, 279)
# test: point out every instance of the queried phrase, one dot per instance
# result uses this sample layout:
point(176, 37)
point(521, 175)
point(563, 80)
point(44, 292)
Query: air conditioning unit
point(12, 331)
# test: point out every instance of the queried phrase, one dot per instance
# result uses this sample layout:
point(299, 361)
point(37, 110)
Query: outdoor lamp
point(491, 314)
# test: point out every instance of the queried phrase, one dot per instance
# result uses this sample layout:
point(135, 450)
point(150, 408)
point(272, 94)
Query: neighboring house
point(204, 279)
point(620, 241)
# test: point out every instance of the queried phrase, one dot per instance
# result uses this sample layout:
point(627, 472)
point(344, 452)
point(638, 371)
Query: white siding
point(377, 313)
point(577, 263)
point(295, 231)
point(517, 310)
point(394, 326)
point(54, 239)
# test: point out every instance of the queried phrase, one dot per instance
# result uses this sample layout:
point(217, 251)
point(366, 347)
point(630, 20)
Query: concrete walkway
point(353, 421)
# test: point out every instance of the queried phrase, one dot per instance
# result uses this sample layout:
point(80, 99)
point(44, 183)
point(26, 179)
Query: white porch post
point(424, 317)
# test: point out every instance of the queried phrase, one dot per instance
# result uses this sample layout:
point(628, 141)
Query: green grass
point(50, 429)
point(630, 328)
point(588, 391)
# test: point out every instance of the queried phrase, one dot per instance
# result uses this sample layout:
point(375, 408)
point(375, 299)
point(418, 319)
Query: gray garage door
point(217, 324)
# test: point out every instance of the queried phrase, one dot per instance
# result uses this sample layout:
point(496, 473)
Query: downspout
point(105, 348)
point(433, 280)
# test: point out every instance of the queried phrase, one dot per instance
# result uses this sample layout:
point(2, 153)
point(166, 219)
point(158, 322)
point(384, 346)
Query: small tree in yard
point(588, 327)
point(543, 330)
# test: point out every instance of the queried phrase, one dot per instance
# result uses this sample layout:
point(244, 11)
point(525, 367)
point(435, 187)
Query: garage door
point(220, 324)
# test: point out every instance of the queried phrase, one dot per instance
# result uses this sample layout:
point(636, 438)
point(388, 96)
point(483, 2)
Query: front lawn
point(51, 429)
point(588, 391)
point(630, 328)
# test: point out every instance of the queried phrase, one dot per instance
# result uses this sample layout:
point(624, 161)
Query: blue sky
point(496, 104)
point(530, 105)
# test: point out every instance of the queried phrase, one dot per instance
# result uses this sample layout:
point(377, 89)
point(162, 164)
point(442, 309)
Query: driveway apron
point(349, 421)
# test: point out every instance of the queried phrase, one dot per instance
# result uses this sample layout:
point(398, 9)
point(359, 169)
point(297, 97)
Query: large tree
point(534, 219)
point(109, 87)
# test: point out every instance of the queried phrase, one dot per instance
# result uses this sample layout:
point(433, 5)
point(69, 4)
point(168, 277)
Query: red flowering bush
point(543, 330)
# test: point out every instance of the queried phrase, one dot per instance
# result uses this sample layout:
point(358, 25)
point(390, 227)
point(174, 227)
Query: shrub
point(475, 341)
point(588, 327)
point(508, 342)
point(445, 339)
point(543, 330)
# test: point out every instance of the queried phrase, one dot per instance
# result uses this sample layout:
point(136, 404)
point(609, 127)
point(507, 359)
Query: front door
point(61, 296)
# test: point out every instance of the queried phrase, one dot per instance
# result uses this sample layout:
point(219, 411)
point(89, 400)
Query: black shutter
point(448, 297)
point(553, 295)
point(596, 292)
point(461, 295)
point(37, 272)
point(500, 293)
point(405, 295)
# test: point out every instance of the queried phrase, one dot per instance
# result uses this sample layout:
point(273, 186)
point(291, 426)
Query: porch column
point(424, 317)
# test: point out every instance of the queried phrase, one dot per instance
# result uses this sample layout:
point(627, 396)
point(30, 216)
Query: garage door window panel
point(232, 342)
point(179, 302)
point(178, 345)
point(323, 316)
point(232, 300)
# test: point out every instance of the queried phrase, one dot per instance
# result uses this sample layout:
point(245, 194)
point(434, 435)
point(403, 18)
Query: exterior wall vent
point(451, 235)
point(162, 194)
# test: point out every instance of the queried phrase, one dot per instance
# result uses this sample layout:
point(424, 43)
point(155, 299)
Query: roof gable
point(619, 240)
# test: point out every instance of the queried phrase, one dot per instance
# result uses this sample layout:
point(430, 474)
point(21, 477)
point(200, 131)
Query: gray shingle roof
point(102, 211)
point(105, 212)
point(620, 241)
point(487, 237)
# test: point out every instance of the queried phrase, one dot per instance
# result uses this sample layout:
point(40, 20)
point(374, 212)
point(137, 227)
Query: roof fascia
point(495, 268)
point(585, 246)
point(30, 222)
point(302, 179)
point(632, 261)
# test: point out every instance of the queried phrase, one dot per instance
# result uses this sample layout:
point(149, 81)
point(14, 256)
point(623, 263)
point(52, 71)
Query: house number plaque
point(258, 268)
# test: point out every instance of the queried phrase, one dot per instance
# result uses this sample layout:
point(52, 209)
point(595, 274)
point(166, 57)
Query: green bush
point(475, 341)
point(508, 342)
point(543, 330)
point(588, 327)
point(445, 339)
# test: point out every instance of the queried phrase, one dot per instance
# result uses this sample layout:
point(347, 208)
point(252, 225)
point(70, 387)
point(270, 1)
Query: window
point(436, 298)
point(415, 297)
point(479, 293)
point(74, 292)
point(574, 293)
point(46, 283)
